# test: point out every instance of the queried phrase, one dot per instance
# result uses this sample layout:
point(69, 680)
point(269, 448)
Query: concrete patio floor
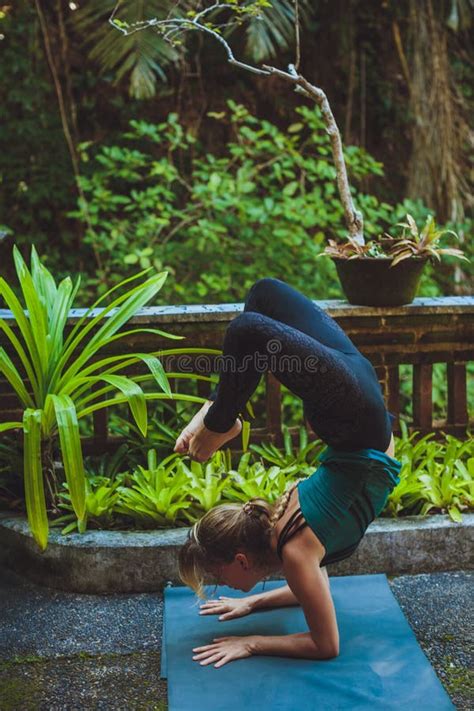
point(65, 652)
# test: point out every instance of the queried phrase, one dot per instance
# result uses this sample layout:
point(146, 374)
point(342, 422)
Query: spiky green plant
point(421, 243)
point(55, 375)
point(207, 482)
point(299, 459)
point(251, 481)
point(435, 476)
point(158, 493)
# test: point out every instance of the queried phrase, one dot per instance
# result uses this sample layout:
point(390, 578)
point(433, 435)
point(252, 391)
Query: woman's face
point(241, 574)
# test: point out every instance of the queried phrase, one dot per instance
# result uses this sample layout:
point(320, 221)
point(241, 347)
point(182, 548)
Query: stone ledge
point(182, 313)
point(129, 561)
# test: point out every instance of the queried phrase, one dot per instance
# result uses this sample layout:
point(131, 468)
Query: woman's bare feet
point(182, 443)
point(205, 442)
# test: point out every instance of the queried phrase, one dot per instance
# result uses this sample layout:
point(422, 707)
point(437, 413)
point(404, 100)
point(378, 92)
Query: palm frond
point(141, 56)
point(275, 29)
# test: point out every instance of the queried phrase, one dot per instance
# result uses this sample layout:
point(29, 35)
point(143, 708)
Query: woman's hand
point(223, 650)
point(228, 607)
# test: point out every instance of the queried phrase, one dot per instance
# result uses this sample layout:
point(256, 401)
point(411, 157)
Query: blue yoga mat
point(380, 666)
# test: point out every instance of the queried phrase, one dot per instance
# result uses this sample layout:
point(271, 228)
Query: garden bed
point(129, 561)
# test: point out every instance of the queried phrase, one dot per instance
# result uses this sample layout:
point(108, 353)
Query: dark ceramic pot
point(371, 281)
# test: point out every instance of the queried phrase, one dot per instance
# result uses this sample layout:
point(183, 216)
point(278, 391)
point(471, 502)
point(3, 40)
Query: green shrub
point(264, 207)
point(436, 476)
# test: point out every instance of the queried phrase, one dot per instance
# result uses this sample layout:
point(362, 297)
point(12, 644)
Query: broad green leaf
point(250, 409)
point(5, 426)
point(156, 369)
point(58, 318)
point(33, 477)
point(134, 395)
point(71, 452)
point(245, 434)
point(455, 514)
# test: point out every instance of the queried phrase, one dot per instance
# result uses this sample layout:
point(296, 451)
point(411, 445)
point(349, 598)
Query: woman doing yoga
point(319, 520)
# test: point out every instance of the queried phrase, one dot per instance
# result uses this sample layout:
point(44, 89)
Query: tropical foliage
point(143, 57)
point(421, 243)
point(269, 201)
point(214, 194)
point(344, 49)
point(437, 476)
point(61, 377)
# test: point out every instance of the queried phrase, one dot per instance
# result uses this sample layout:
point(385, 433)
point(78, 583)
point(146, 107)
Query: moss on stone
point(18, 692)
point(21, 678)
point(459, 679)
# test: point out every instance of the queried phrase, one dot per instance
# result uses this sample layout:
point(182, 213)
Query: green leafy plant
point(292, 459)
point(251, 480)
point(102, 495)
point(207, 483)
point(447, 483)
point(157, 494)
point(421, 243)
point(435, 476)
point(104, 475)
point(268, 196)
point(143, 60)
point(160, 435)
point(61, 377)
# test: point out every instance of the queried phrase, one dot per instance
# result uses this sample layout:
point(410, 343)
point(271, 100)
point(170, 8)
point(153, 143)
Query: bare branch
point(183, 24)
point(354, 219)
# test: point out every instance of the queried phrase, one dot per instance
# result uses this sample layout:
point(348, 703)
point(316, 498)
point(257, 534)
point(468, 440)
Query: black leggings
point(283, 331)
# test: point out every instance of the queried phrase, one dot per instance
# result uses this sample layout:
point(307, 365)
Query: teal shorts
point(344, 495)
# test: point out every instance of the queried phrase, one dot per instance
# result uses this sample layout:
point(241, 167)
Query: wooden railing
point(420, 334)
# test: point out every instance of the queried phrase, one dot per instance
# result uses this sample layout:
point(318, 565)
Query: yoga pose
point(319, 520)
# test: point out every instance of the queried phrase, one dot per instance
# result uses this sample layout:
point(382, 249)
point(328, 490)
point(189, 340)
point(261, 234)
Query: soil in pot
point(371, 281)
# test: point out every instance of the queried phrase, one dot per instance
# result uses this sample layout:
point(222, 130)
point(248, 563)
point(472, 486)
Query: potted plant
point(387, 271)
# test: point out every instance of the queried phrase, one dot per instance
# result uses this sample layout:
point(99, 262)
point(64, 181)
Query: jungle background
point(119, 153)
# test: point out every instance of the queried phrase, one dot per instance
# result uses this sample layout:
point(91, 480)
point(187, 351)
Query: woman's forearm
point(299, 645)
point(280, 597)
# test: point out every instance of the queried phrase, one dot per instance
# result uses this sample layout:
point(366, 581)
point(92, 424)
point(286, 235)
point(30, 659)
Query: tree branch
point(353, 217)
